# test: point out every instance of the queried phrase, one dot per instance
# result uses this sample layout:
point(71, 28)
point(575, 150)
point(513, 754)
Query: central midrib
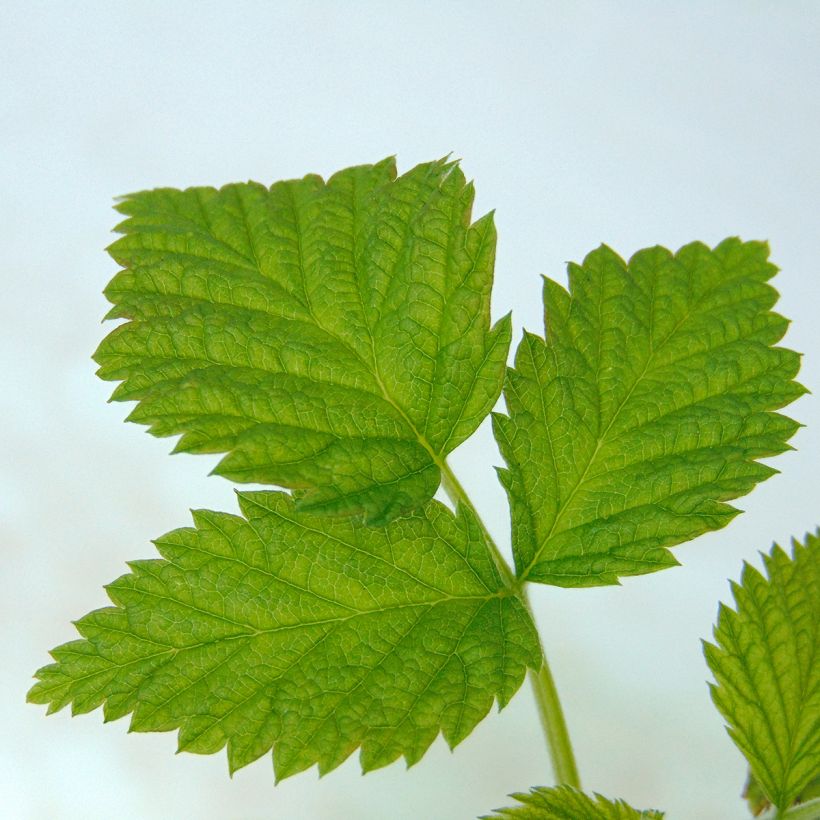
point(566, 505)
point(373, 366)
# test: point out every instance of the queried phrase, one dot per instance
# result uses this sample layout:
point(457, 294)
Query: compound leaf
point(566, 803)
point(332, 337)
point(645, 409)
point(766, 661)
point(304, 634)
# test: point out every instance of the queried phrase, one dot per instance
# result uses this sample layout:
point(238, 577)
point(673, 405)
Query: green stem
point(458, 495)
point(543, 685)
point(554, 725)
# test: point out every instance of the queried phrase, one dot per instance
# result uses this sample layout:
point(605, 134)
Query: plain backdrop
point(626, 123)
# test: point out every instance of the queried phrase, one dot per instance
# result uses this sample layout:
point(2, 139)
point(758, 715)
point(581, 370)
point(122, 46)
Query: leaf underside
point(330, 337)
point(766, 661)
point(644, 410)
point(566, 803)
point(305, 634)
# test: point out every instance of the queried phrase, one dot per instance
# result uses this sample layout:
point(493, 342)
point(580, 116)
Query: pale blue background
point(630, 123)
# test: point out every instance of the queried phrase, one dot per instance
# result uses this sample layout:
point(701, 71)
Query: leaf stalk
point(554, 725)
point(458, 495)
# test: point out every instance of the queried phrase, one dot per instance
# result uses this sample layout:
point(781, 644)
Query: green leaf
point(766, 662)
point(645, 409)
point(332, 337)
point(566, 803)
point(304, 634)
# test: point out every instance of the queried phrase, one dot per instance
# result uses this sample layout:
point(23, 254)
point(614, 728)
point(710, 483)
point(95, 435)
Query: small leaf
point(766, 661)
point(644, 411)
point(332, 337)
point(303, 634)
point(566, 803)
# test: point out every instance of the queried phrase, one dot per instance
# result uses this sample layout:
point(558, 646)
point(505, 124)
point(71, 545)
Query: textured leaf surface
point(330, 336)
point(645, 409)
point(566, 803)
point(303, 634)
point(766, 662)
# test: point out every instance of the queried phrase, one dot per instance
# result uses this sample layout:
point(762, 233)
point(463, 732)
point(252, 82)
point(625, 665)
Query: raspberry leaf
point(332, 337)
point(766, 663)
point(644, 410)
point(309, 635)
point(567, 803)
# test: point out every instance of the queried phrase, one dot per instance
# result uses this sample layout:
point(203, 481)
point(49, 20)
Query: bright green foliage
point(310, 635)
point(767, 667)
point(644, 410)
point(332, 337)
point(566, 803)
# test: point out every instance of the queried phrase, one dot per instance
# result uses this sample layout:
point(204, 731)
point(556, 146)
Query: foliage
point(645, 409)
point(305, 634)
point(330, 337)
point(333, 339)
point(766, 661)
point(566, 803)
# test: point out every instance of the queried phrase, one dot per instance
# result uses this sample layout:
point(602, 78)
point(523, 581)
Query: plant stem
point(554, 725)
point(458, 495)
point(546, 695)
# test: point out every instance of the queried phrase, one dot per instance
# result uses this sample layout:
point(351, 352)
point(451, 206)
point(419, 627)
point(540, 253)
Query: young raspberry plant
point(333, 339)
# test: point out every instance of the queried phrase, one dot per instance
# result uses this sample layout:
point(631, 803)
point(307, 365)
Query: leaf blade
point(644, 410)
point(332, 337)
point(303, 634)
point(766, 661)
point(567, 803)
